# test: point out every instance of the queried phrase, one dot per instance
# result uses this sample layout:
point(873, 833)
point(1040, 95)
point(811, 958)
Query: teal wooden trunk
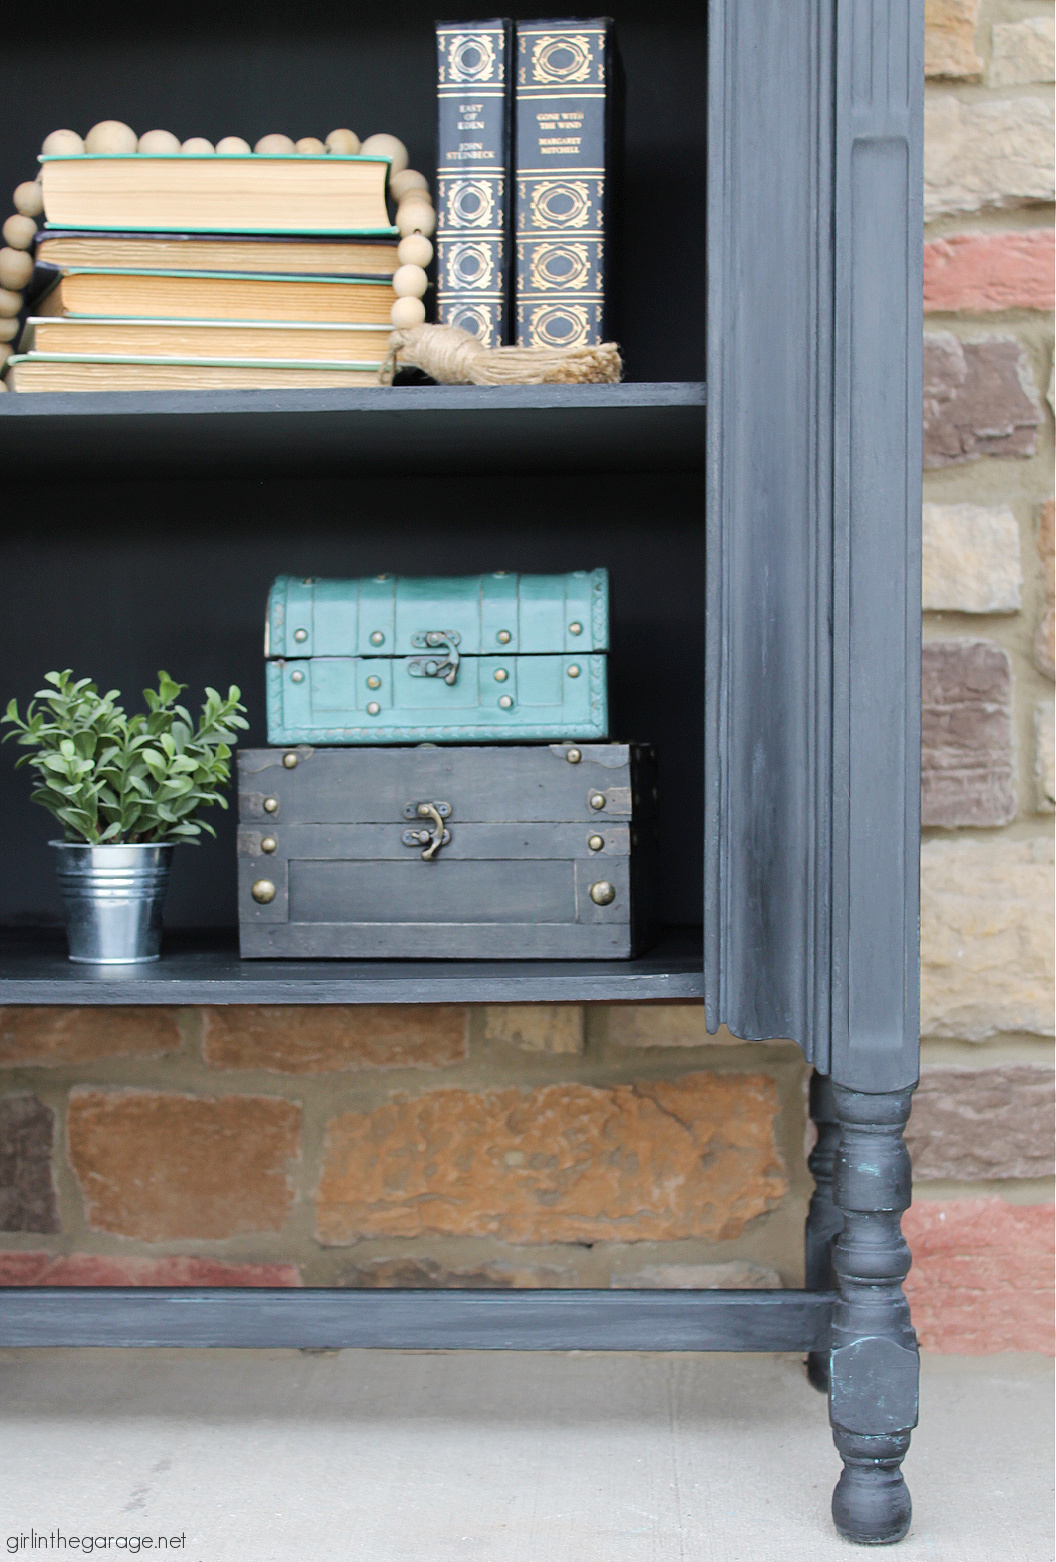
point(475, 658)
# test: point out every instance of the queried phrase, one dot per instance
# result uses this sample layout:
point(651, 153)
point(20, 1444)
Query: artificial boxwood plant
point(115, 779)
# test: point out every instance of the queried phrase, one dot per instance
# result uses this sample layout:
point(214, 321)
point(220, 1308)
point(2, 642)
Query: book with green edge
point(240, 341)
point(219, 295)
point(217, 192)
point(97, 372)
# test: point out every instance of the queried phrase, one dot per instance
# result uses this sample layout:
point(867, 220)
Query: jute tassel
point(453, 357)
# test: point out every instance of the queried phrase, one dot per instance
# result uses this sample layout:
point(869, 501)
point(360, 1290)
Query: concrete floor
point(282, 1456)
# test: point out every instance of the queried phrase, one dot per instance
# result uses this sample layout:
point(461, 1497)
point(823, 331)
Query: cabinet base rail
point(417, 1320)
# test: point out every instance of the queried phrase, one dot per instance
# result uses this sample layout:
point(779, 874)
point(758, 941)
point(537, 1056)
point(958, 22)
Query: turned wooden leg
point(874, 1366)
point(824, 1221)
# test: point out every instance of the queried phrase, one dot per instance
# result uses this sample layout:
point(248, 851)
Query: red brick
point(988, 271)
point(114, 1269)
point(966, 734)
point(162, 1167)
point(23, 1268)
point(44, 1036)
point(692, 1157)
point(982, 1275)
point(1045, 639)
point(322, 1038)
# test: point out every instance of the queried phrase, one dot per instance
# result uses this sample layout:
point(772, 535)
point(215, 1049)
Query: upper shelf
point(420, 428)
point(206, 969)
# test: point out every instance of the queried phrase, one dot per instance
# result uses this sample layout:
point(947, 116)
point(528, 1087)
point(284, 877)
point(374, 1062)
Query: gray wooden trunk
point(331, 830)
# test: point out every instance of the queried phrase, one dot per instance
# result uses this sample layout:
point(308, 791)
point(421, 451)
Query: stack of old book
point(210, 271)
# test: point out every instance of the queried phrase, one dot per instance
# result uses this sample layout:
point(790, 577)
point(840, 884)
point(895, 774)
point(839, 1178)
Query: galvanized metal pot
point(113, 897)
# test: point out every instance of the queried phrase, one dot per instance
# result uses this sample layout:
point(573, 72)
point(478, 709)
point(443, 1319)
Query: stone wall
point(512, 1146)
point(981, 1132)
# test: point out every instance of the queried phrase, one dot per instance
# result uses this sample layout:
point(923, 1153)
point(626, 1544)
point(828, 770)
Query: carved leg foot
point(824, 1221)
point(874, 1365)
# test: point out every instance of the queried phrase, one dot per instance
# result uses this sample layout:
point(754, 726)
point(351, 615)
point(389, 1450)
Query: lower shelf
point(419, 1320)
point(205, 968)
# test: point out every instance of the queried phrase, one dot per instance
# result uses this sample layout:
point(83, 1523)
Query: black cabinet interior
point(215, 69)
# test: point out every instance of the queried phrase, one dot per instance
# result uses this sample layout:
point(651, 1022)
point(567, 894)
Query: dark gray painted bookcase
point(764, 548)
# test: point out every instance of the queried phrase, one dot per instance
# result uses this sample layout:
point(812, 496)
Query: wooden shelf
point(405, 429)
point(206, 968)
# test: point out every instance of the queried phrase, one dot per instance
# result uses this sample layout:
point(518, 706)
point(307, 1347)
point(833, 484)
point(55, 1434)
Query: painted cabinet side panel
point(812, 758)
point(769, 520)
point(876, 527)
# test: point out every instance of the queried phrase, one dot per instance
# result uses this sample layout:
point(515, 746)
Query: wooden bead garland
point(158, 143)
point(415, 216)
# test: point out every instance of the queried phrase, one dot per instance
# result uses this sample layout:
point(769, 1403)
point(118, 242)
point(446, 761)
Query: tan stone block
point(979, 399)
point(164, 1166)
point(738, 1275)
point(324, 1038)
point(981, 1280)
point(693, 1157)
point(1022, 52)
point(949, 38)
point(970, 1125)
point(966, 734)
point(986, 154)
point(1044, 760)
point(1044, 649)
point(426, 1274)
point(44, 1036)
point(659, 1025)
point(971, 559)
point(536, 1027)
point(986, 937)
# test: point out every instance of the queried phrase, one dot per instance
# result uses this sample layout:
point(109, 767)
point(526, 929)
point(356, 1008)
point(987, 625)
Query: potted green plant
point(126, 790)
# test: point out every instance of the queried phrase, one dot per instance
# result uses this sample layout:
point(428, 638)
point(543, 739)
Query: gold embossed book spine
point(567, 111)
point(474, 122)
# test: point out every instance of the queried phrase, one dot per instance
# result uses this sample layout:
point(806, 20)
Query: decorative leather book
point(569, 95)
point(473, 90)
point(499, 658)
point(447, 853)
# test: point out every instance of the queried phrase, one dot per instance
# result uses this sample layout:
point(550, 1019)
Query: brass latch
point(433, 839)
point(445, 640)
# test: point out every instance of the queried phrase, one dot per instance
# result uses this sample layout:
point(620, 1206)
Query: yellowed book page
point(226, 298)
point(154, 376)
point(165, 339)
point(206, 254)
point(286, 195)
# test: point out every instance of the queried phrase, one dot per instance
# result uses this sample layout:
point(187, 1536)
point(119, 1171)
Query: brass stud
point(377, 638)
point(373, 682)
point(573, 756)
point(505, 701)
point(309, 580)
point(573, 671)
point(575, 629)
point(603, 893)
point(297, 676)
point(504, 637)
point(597, 799)
point(595, 842)
point(373, 709)
point(263, 892)
point(271, 805)
point(382, 577)
point(290, 761)
point(300, 635)
point(501, 675)
point(268, 844)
